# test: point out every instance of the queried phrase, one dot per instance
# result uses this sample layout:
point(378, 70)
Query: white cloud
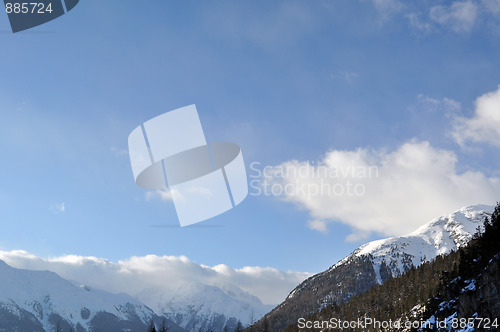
point(164, 195)
point(349, 76)
point(118, 151)
point(492, 6)
point(317, 225)
point(357, 236)
point(460, 16)
point(447, 105)
point(484, 125)
point(386, 7)
point(58, 208)
point(165, 273)
point(418, 23)
point(388, 192)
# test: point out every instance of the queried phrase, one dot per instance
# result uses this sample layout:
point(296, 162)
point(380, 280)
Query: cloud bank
point(165, 273)
point(460, 16)
point(390, 192)
point(484, 125)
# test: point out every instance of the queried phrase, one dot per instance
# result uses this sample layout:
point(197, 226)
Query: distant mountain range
point(199, 307)
point(376, 262)
point(43, 301)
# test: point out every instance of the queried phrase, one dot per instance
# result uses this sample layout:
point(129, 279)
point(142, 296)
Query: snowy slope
point(393, 256)
point(377, 261)
point(437, 237)
point(42, 300)
point(53, 300)
point(196, 306)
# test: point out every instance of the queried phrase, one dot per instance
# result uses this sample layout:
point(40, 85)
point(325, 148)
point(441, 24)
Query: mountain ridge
point(42, 300)
point(196, 306)
point(39, 300)
point(377, 261)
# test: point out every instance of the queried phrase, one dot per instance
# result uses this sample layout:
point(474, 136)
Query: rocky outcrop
point(482, 296)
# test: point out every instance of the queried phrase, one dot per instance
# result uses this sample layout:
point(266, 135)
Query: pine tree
point(163, 327)
point(152, 327)
point(266, 325)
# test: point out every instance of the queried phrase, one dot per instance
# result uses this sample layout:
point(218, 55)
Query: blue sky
point(299, 81)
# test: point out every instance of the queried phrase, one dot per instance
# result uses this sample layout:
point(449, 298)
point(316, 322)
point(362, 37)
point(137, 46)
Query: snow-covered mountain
point(377, 261)
point(396, 255)
point(43, 301)
point(196, 306)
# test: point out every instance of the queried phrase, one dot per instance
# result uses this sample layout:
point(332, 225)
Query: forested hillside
point(459, 290)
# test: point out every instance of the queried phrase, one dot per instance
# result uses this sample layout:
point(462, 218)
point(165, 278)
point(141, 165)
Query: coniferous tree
point(152, 327)
point(163, 327)
point(266, 325)
point(435, 286)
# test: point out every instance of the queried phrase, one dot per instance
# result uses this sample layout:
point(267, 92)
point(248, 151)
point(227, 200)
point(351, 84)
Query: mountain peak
point(439, 236)
point(37, 300)
point(377, 261)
